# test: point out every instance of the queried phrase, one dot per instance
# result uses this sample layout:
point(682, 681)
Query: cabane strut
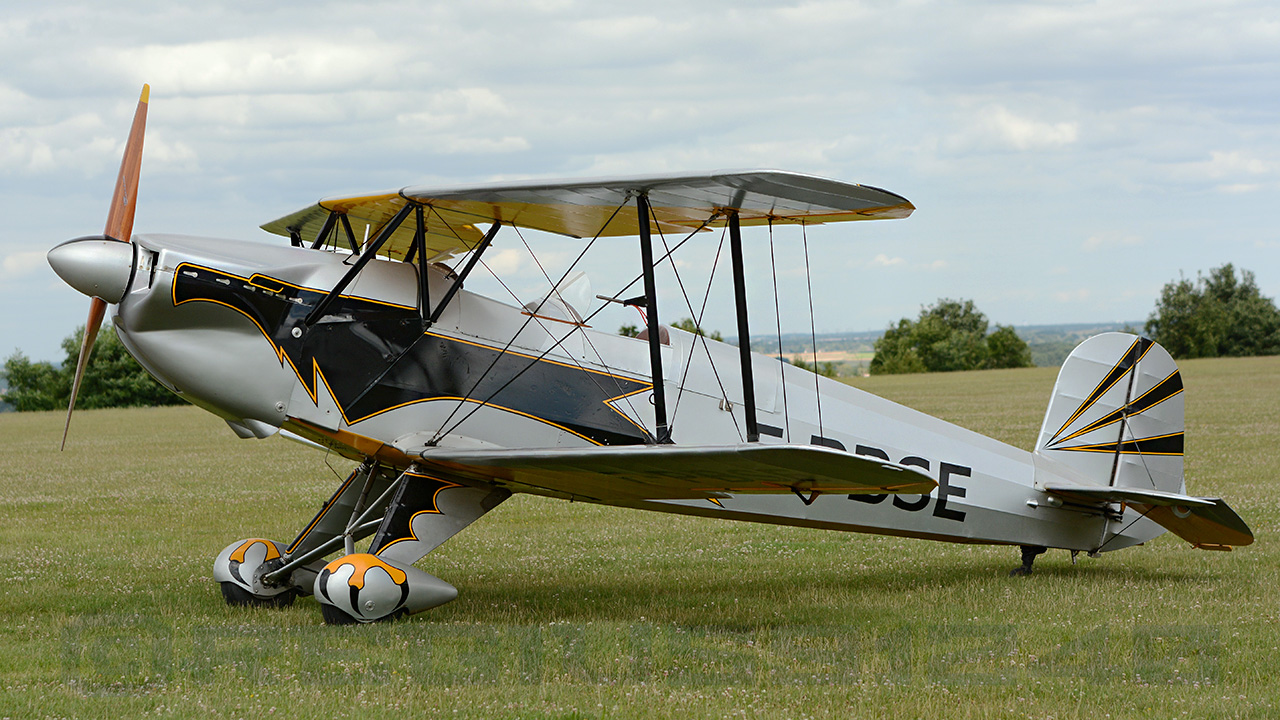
point(662, 433)
point(744, 333)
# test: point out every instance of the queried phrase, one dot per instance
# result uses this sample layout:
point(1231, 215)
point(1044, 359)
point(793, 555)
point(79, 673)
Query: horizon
point(732, 339)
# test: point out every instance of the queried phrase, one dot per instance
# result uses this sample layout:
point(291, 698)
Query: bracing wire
point(698, 339)
point(593, 376)
point(617, 295)
point(1120, 532)
point(660, 260)
point(777, 318)
point(701, 314)
point(328, 452)
point(813, 334)
point(445, 428)
point(513, 378)
point(706, 297)
point(1127, 428)
point(576, 329)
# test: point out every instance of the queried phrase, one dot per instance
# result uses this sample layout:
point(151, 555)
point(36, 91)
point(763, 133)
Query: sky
point(1067, 159)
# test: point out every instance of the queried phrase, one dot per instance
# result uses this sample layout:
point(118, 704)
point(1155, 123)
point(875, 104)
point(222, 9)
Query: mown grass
point(107, 606)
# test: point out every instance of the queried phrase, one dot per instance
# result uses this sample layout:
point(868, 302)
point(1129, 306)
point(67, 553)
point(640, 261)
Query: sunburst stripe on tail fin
point(1160, 445)
point(1167, 388)
point(1131, 357)
point(1116, 415)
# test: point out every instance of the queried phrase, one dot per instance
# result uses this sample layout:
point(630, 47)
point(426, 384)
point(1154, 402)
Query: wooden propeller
point(119, 227)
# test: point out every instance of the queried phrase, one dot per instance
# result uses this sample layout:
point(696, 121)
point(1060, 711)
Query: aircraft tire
point(334, 616)
point(237, 596)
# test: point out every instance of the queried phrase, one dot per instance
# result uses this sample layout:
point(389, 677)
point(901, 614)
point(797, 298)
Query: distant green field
point(572, 610)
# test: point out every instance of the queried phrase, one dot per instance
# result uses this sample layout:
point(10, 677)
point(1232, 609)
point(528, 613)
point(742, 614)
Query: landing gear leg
point(249, 571)
point(383, 584)
point(1029, 553)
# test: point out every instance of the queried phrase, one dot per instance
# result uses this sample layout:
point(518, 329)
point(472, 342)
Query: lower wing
point(652, 472)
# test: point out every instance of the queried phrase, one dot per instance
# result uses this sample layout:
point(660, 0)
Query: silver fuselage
point(207, 335)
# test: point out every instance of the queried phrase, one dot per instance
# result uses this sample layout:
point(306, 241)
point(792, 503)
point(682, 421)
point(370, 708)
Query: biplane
point(450, 401)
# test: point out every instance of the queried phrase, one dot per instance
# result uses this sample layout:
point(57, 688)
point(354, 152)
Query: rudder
point(1116, 414)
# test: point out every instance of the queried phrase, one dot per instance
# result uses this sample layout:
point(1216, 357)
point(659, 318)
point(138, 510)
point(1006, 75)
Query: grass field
point(572, 610)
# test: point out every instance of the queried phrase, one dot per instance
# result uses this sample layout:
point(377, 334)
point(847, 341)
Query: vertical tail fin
point(1116, 414)
point(1116, 419)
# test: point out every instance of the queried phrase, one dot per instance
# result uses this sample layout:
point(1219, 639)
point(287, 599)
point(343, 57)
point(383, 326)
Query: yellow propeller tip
point(146, 94)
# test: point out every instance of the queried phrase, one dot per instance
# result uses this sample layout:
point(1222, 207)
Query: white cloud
point(19, 152)
point(1233, 164)
point(505, 262)
point(448, 109)
point(1233, 172)
point(461, 121)
point(1078, 295)
point(484, 146)
point(883, 260)
point(1240, 188)
point(626, 29)
point(21, 264)
point(1025, 134)
point(14, 104)
point(1108, 240)
point(995, 127)
point(162, 155)
point(78, 144)
point(1001, 121)
point(263, 64)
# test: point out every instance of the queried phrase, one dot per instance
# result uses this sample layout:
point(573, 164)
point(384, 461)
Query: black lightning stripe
point(374, 357)
point(1131, 357)
point(1163, 390)
point(418, 494)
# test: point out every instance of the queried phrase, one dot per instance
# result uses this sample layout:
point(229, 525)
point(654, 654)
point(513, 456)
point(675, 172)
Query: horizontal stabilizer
point(654, 472)
point(1207, 523)
point(1097, 493)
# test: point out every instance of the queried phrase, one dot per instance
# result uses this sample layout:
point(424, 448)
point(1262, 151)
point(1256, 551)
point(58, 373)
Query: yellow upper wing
point(600, 206)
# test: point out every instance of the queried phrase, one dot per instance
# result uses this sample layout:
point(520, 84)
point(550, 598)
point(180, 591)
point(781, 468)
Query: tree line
point(948, 335)
point(1218, 314)
point(111, 379)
